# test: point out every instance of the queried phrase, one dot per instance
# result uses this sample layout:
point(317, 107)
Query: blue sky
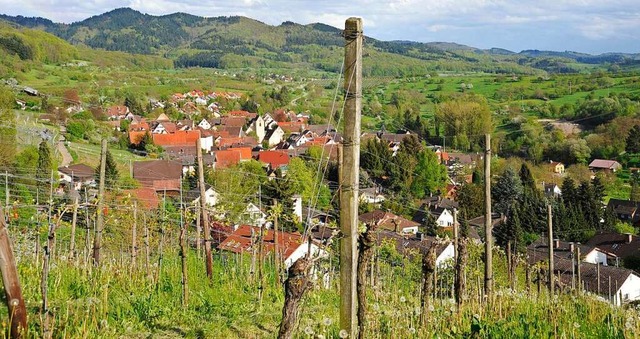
point(591, 26)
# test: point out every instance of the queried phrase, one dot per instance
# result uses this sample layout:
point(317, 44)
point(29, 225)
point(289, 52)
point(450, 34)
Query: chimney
point(629, 238)
point(556, 243)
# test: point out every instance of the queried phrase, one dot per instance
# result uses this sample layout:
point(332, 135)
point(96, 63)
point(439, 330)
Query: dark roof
point(539, 249)
point(622, 245)
point(411, 242)
point(589, 276)
point(479, 221)
point(605, 164)
point(78, 171)
point(157, 170)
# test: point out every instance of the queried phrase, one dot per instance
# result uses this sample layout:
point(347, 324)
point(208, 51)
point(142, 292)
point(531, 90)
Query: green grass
point(120, 299)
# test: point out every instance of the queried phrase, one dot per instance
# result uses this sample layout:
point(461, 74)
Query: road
point(66, 156)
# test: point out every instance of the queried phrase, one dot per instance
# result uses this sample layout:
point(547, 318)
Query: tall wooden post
point(97, 240)
point(183, 252)
point(488, 265)
point(456, 235)
point(578, 269)
point(349, 172)
point(203, 209)
point(6, 193)
point(134, 236)
point(72, 240)
point(550, 234)
point(13, 293)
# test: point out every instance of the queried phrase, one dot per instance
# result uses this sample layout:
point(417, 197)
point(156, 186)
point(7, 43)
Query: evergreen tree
point(477, 177)
point(44, 168)
point(111, 174)
point(526, 178)
point(430, 226)
point(633, 140)
point(471, 200)
point(598, 188)
point(568, 191)
point(511, 230)
point(506, 191)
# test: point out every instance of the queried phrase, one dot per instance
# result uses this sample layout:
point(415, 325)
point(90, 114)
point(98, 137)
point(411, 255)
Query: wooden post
point(72, 240)
point(97, 240)
point(276, 242)
point(203, 209)
point(350, 173)
point(183, 252)
point(134, 236)
point(598, 276)
point(6, 194)
point(428, 281)
point(456, 235)
point(488, 265)
point(147, 243)
point(578, 269)
point(11, 282)
point(260, 263)
point(366, 243)
point(550, 235)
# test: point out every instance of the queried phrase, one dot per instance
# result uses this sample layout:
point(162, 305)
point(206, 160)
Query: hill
point(238, 42)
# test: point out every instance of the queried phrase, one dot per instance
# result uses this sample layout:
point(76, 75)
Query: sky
point(589, 26)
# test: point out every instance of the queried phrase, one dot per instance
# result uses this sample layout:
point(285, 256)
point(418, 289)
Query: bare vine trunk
point(296, 285)
point(366, 243)
point(461, 278)
point(428, 272)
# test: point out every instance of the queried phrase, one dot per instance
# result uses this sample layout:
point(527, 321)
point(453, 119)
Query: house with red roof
point(117, 112)
point(178, 138)
point(389, 222)
point(274, 159)
point(146, 196)
point(604, 165)
point(227, 158)
point(292, 246)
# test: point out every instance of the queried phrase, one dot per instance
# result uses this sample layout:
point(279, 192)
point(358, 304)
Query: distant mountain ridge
point(237, 41)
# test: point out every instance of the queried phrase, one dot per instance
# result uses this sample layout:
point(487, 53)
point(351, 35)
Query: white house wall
point(595, 257)
point(445, 256)
point(301, 251)
point(445, 219)
point(630, 290)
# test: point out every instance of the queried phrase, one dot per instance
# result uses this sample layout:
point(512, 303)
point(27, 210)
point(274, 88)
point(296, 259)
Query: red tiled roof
point(233, 121)
point(158, 174)
point(387, 220)
point(274, 158)
point(146, 196)
point(227, 158)
point(605, 164)
point(240, 241)
point(291, 126)
point(177, 138)
point(117, 110)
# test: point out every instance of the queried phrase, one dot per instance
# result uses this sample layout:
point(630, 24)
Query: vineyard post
point(550, 235)
point(97, 240)
point(72, 240)
point(6, 193)
point(134, 236)
point(15, 303)
point(456, 235)
point(203, 209)
point(578, 268)
point(488, 266)
point(350, 173)
point(260, 263)
point(183, 252)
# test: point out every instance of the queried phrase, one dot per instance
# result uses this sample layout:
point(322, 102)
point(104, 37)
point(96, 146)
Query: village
point(228, 139)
